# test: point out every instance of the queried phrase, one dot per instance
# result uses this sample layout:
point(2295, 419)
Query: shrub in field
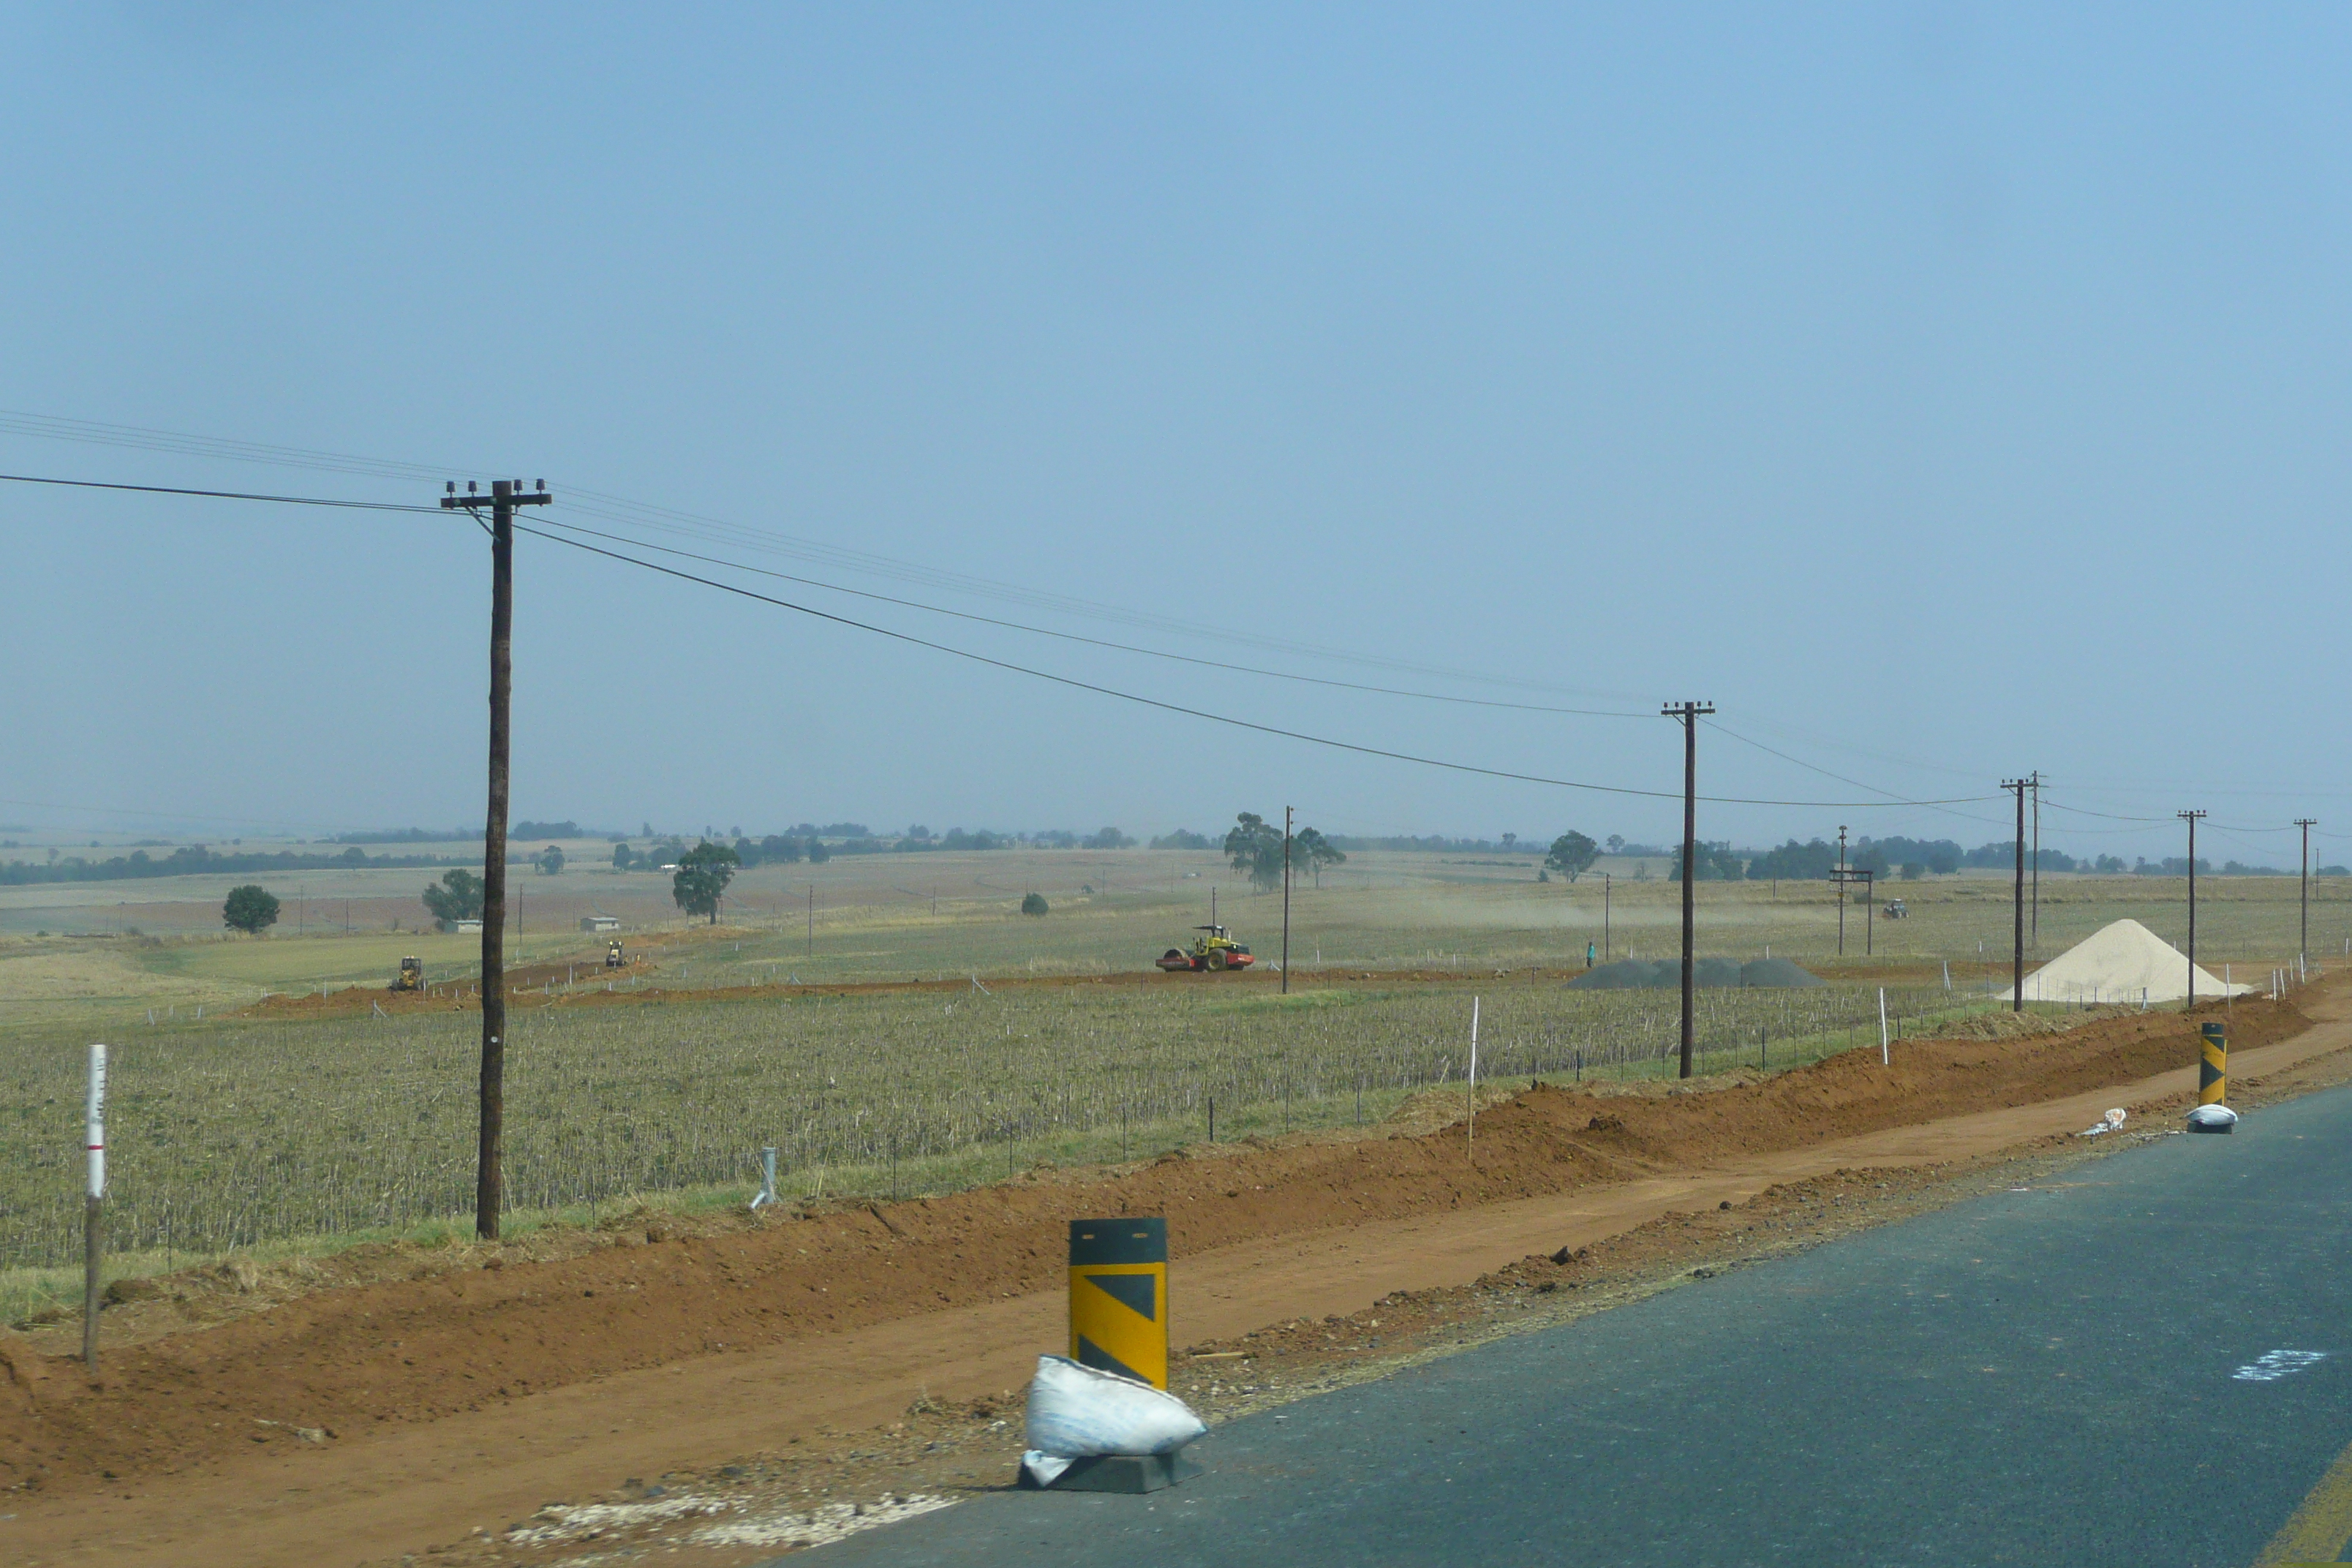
point(249, 908)
point(1033, 904)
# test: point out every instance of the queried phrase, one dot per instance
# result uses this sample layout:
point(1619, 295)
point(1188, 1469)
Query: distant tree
point(703, 873)
point(1255, 846)
point(1183, 838)
point(458, 897)
point(1108, 839)
point(1572, 855)
point(1315, 850)
point(1032, 903)
point(1510, 842)
point(551, 860)
point(622, 858)
point(818, 853)
point(917, 830)
point(250, 909)
point(1913, 871)
point(1717, 863)
point(776, 849)
point(1616, 844)
point(1794, 862)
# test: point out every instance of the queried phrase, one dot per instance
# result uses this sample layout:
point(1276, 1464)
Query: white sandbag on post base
point(2212, 1118)
point(1079, 1412)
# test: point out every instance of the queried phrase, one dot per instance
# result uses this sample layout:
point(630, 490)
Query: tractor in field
point(410, 978)
point(614, 957)
point(1213, 950)
point(1894, 910)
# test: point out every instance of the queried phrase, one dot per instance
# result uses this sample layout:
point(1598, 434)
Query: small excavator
point(1213, 950)
point(614, 957)
point(410, 978)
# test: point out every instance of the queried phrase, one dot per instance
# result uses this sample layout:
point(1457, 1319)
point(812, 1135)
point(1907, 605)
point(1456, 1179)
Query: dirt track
point(468, 1397)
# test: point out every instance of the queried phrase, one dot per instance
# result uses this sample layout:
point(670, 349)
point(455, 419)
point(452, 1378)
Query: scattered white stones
point(830, 1522)
point(2271, 1366)
point(560, 1522)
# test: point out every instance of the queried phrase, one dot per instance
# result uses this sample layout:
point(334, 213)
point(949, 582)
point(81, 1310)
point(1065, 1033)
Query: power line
point(1892, 797)
point(1177, 707)
point(614, 507)
point(1094, 642)
point(214, 495)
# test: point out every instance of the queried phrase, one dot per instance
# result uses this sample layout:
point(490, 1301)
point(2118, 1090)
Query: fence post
point(93, 1213)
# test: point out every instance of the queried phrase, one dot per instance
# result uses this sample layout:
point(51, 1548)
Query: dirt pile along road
point(679, 1344)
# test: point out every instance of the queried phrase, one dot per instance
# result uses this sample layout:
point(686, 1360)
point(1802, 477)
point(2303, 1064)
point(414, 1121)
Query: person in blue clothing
point(1590, 953)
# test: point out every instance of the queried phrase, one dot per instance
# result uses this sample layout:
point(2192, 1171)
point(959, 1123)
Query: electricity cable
point(1180, 708)
point(1097, 642)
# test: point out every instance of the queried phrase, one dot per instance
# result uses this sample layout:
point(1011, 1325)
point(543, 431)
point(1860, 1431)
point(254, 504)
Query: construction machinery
point(1213, 950)
point(411, 976)
point(614, 957)
point(1894, 910)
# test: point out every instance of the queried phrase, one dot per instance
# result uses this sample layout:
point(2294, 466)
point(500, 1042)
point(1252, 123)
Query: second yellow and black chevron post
point(2214, 1068)
point(1119, 1297)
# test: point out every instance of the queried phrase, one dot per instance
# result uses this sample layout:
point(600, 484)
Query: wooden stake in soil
point(1472, 1080)
point(93, 1214)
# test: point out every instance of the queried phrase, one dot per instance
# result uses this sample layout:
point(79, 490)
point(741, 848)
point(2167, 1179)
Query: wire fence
point(235, 1134)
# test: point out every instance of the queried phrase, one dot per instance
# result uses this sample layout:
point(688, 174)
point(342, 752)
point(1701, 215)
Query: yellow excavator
point(411, 976)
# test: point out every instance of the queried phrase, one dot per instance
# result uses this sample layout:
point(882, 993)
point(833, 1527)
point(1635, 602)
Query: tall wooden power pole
point(2017, 897)
point(1689, 713)
point(2033, 783)
point(489, 1173)
point(2302, 943)
point(2190, 818)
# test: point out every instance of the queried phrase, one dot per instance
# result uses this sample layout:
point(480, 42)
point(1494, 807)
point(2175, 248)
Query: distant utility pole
point(1689, 713)
point(1605, 916)
point(1840, 880)
point(2190, 818)
point(489, 1168)
point(2302, 945)
point(2033, 783)
point(1286, 900)
point(2017, 954)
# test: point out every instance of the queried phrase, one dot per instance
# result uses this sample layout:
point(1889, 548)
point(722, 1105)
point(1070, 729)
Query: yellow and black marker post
point(1119, 1297)
point(2214, 1068)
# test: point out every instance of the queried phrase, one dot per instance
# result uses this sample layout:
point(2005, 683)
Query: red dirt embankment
point(408, 1350)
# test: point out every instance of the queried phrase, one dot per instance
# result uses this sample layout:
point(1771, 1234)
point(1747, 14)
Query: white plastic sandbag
point(1076, 1411)
point(2212, 1116)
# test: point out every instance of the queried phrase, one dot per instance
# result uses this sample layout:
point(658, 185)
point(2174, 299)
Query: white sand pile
point(2122, 962)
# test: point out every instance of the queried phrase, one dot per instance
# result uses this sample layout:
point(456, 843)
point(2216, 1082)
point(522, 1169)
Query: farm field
point(243, 1124)
point(901, 917)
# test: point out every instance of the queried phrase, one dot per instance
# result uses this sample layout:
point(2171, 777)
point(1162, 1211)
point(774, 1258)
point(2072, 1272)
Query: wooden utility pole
point(1286, 900)
point(489, 1173)
point(1840, 880)
point(2017, 951)
point(2033, 783)
point(2190, 818)
point(1689, 713)
point(2302, 943)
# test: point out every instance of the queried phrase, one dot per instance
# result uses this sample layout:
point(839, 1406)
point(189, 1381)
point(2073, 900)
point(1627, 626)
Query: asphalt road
point(2074, 1374)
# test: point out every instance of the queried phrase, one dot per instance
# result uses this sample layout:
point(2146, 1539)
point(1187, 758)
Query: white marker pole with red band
point(93, 1235)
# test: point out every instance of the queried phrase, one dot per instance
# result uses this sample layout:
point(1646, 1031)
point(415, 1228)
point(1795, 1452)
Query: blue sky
point(1944, 392)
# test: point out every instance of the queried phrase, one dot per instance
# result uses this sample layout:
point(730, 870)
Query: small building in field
point(472, 928)
point(600, 922)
